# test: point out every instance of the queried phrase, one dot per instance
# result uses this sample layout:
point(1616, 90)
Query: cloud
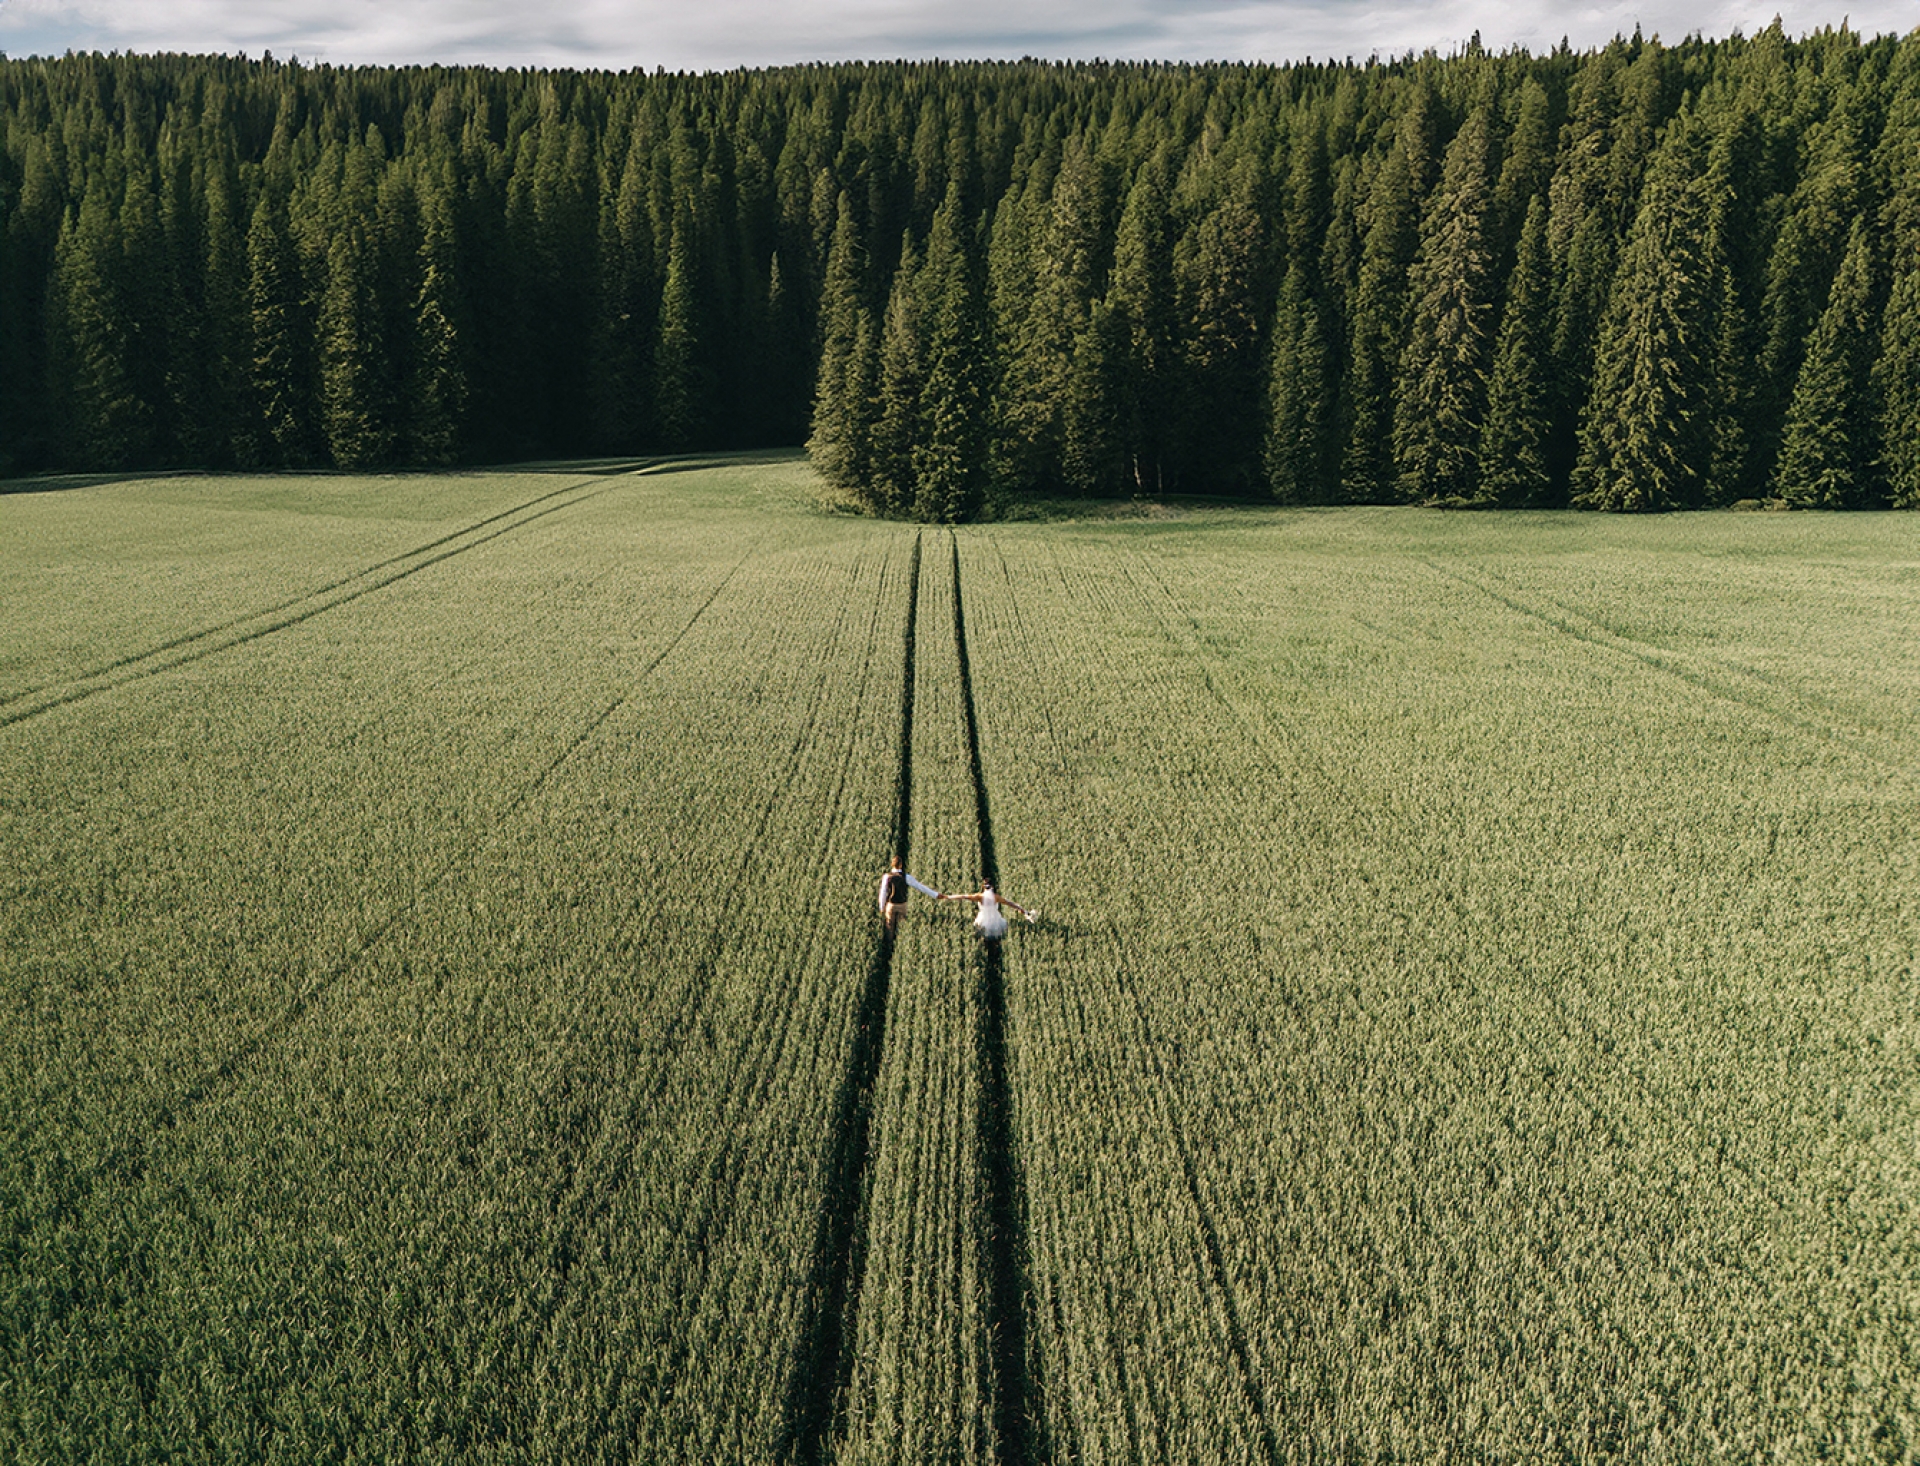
point(718, 34)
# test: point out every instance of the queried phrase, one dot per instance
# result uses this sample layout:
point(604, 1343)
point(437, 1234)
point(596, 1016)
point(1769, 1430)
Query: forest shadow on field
point(664, 463)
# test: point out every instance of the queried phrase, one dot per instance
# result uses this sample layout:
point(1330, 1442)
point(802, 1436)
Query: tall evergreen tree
point(1221, 298)
point(353, 403)
point(896, 409)
point(1140, 303)
point(1897, 388)
point(281, 382)
point(950, 464)
point(1828, 457)
point(678, 401)
point(436, 389)
point(1378, 319)
point(1514, 471)
point(1299, 433)
point(1896, 371)
point(106, 423)
point(839, 442)
point(1439, 410)
point(1643, 436)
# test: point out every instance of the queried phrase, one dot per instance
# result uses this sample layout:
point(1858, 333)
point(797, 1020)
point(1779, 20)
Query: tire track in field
point(588, 1192)
point(128, 1162)
point(1595, 634)
point(1002, 1185)
point(823, 1368)
point(209, 641)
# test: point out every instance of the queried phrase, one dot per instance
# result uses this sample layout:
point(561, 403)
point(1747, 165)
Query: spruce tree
point(108, 422)
point(280, 382)
point(436, 390)
point(224, 408)
point(1299, 428)
point(1439, 409)
point(1896, 371)
point(1897, 389)
point(838, 444)
point(352, 404)
point(1218, 267)
point(678, 402)
point(1827, 455)
point(1094, 447)
point(950, 464)
point(1140, 301)
point(891, 483)
point(1643, 437)
point(1513, 448)
point(1378, 318)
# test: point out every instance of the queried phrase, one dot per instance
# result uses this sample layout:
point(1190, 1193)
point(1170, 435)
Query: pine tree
point(224, 407)
point(1806, 255)
point(839, 442)
point(1827, 456)
point(1094, 447)
point(1733, 262)
point(678, 401)
point(1513, 449)
point(891, 481)
point(280, 379)
point(630, 293)
point(950, 464)
point(106, 422)
point(1643, 438)
point(1897, 389)
point(1140, 302)
point(34, 215)
point(1896, 371)
point(1378, 319)
point(1439, 410)
point(1299, 428)
point(1221, 300)
point(352, 404)
point(436, 391)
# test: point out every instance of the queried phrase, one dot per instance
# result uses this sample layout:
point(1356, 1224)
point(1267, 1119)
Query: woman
point(990, 923)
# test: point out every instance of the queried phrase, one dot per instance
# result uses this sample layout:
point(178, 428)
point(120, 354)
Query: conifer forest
point(1650, 276)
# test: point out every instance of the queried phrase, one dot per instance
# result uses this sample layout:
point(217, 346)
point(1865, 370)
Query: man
point(893, 891)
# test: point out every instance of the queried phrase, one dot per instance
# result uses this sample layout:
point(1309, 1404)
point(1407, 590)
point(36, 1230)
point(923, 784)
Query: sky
point(713, 35)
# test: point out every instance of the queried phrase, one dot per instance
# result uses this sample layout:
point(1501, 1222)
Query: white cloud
point(717, 34)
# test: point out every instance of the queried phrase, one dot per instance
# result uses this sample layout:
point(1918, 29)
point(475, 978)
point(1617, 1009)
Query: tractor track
point(209, 641)
point(1002, 1184)
point(823, 1367)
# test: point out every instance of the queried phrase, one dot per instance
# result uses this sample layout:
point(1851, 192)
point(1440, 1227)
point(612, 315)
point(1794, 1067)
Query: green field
point(1474, 1015)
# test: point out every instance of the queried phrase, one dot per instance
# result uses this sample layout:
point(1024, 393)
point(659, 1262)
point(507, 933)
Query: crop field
point(1474, 1012)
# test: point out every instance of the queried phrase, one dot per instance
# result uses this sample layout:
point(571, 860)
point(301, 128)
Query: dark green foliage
point(950, 463)
point(1514, 472)
point(1326, 283)
point(1298, 461)
point(839, 443)
point(1441, 403)
point(1643, 439)
point(1897, 390)
point(1827, 457)
point(1378, 316)
point(896, 406)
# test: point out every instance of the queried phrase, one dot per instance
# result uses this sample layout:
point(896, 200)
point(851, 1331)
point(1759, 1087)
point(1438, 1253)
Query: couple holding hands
point(990, 923)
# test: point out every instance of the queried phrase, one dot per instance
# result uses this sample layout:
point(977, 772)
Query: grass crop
point(1485, 952)
point(444, 1016)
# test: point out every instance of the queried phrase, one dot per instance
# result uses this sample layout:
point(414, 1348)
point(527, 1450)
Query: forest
point(1644, 277)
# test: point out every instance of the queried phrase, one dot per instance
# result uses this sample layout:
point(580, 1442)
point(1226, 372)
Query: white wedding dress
point(990, 923)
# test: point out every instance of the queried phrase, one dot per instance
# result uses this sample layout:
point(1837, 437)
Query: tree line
point(1641, 277)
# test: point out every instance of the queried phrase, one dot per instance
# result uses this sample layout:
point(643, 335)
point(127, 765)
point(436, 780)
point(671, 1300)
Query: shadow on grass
point(53, 483)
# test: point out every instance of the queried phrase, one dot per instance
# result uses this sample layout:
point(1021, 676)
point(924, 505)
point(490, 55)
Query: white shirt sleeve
point(922, 889)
